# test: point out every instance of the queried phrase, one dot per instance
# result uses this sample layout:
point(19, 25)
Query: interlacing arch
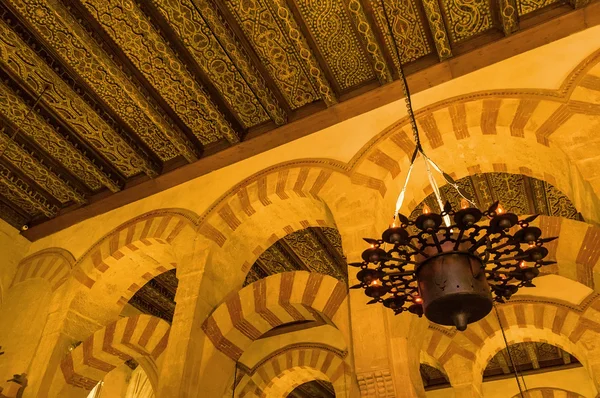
point(271, 302)
point(565, 325)
point(51, 265)
point(538, 122)
point(280, 373)
point(128, 338)
point(292, 196)
point(120, 263)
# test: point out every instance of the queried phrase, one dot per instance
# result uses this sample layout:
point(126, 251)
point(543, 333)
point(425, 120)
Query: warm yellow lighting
point(500, 209)
point(464, 203)
point(426, 209)
point(375, 282)
point(522, 264)
point(418, 300)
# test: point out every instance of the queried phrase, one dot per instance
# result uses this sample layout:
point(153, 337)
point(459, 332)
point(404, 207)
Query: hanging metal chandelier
point(452, 273)
point(450, 266)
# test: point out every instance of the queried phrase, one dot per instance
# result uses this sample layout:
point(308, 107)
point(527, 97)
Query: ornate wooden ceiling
point(157, 297)
point(313, 389)
point(433, 377)
point(529, 357)
point(311, 249)
point(133, 90)
point(517, 193)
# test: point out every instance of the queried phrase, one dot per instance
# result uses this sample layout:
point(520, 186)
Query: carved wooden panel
point(517, 193)
point(529, 356)
point(311, 249)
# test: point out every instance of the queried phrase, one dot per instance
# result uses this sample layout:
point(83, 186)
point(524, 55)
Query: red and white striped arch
point(548, 392)
point(160, 227)
point(270, 302)
point(570, 327)
point(134, 337)
point(530, 120)
point(279, 374)
point(51, 265)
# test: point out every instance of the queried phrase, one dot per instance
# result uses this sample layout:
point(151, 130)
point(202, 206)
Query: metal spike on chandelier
point(450, 266)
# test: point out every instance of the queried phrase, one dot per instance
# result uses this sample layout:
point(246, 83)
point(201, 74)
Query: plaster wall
point(23, 315)
point(13, 247)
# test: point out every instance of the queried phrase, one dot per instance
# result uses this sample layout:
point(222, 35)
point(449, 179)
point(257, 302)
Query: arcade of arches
point(235, 283)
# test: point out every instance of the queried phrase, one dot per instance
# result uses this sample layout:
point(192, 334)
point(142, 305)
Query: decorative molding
point(438, 29)
point(363, 27)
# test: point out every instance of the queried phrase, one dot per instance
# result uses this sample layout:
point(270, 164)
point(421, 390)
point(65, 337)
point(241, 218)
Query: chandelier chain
point(405, 90)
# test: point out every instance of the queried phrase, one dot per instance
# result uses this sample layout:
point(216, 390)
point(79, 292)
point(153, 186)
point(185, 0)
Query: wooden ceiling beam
point(438, 29)
point(532, 354)
point(207, 15)
point(36, 175)
point(51, 182)
point(579, 3)
point(364, 30)
point(12, 214)
point(522, 41)
point(331, 251)
point(288, 251)
point(229, 22)
point(157, 18)
point(33, 73)
point(303, 50)
point(501, 357)
point(122, 87)
point(311, 46)
point(29, 182)
point(509, 15)
point(150, 53)
point(39, 128)
point(23, 196)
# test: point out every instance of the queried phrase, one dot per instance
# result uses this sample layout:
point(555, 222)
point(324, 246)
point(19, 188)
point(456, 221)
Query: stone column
point(462, 377)
point(180, 369)
point(467, 390)
point(386, 361)
point(594, 371)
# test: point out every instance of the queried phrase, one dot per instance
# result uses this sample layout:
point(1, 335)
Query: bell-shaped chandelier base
point(454, 288)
